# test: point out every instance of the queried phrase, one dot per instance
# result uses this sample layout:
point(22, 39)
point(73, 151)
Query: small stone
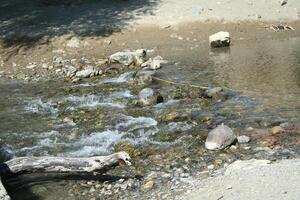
point(148, 186)
point(243, 139)
point(31, 66)
point(210, 167)
point(220, 39)
point(277, 130)
point(219, 138)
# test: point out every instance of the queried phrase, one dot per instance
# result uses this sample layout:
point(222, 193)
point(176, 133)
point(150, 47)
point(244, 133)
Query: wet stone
point(149, 96)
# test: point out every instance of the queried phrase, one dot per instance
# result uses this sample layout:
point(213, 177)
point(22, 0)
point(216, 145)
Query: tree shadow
point(25, 22)
point(20, 187)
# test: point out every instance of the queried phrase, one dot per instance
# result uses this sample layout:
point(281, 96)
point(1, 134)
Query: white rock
point(219, 138)
point(86, 73)
point(154, 63)
point(243, 139)
point(220, 39)
point(129, 57)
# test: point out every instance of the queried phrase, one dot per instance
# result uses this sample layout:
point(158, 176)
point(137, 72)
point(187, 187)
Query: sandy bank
point(253, 179)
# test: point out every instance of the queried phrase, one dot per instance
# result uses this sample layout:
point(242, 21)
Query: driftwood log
point(60, 164)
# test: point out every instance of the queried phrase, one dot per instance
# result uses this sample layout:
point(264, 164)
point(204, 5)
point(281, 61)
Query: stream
point(99, 116)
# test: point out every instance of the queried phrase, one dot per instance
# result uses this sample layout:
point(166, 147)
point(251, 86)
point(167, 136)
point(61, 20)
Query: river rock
point(149, 96)
point(129, 57)
point(86, 73)
point(243, 139)
point(220, 39)
point(219, 138)
point(154, 63)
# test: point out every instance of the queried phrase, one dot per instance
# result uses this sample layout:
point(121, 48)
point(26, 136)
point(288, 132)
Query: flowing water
point(57, 118)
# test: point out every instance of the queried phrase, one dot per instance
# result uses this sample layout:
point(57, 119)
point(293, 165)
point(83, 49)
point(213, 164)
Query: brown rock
point(148, 185)
point(277, 130)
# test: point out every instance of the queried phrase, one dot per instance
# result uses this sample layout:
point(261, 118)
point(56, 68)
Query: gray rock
point(212, 92)
point(149, 96)
point(243, 139)
point(219, 138)
point(220, 39)
point(129, 57)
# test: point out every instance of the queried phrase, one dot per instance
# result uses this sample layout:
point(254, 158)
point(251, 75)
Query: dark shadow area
point(20, 187)
point(25, 22)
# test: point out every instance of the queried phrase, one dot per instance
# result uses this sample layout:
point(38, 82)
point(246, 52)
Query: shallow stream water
point(262, 84)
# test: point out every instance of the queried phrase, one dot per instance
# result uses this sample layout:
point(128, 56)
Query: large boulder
point(219, 138)
point(220, 39)
point(129, 57)
point(149, 96)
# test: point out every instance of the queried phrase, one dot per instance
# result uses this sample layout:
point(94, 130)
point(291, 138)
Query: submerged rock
point(129, 57)
point(149, 96)
point(144, 77)
point(220, 39)
point(219, 138)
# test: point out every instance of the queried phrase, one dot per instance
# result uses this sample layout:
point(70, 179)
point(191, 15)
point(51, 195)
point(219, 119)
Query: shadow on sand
point(25, 22)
